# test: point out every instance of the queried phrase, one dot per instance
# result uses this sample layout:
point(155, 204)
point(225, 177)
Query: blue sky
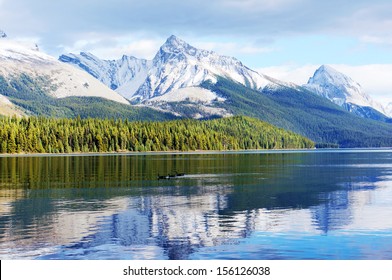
point(288, 38)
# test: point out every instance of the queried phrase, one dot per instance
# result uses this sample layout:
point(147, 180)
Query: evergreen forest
point(53, 135)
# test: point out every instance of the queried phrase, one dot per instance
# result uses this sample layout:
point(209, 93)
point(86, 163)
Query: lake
point(294, 205)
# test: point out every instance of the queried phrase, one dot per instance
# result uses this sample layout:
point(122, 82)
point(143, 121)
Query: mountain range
point(178, 65)
point(174, 75)
point(34, 83)
point(183, 81)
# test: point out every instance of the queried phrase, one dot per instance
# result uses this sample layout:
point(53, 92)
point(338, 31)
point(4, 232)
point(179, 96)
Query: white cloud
point(232, 48)
point(290, 72)
point(370, 22)
point(141, 49)
point(107, 47)
point(256, 19)
point(380, 40)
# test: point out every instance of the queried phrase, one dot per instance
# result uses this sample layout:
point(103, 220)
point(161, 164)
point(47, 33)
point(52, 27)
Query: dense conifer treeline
point(48, 135)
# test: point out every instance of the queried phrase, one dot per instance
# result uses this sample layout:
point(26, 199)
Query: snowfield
point(192, 94)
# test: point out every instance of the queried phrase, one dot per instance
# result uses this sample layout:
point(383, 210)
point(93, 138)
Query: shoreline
point(199, 152)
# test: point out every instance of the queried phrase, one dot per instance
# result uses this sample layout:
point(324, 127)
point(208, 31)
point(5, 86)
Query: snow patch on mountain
point(65, 80)
point(203, 102)
point(191, 94)
point(340, 89)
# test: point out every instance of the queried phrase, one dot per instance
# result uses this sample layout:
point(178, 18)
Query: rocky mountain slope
point(57, 79)
point(343, 91)
point(7, 108)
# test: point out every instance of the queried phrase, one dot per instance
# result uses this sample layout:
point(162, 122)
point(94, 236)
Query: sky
point(285, 39)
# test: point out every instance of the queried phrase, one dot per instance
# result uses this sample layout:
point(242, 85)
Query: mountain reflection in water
point(280, 205)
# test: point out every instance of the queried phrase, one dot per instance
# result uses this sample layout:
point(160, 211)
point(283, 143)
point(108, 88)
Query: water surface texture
point(334, 204)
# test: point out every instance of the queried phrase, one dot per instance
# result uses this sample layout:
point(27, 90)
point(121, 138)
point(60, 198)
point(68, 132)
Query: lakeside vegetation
point(50, 135)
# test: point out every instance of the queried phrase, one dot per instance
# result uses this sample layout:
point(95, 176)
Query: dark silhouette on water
point(168, 176)
point(163, 177)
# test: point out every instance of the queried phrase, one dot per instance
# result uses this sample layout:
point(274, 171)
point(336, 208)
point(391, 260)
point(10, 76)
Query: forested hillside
point(48, 135)
point(31, 95)
point(305, 113)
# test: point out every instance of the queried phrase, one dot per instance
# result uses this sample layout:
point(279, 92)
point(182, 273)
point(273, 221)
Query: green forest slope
point(305, 113)
point(49, 135)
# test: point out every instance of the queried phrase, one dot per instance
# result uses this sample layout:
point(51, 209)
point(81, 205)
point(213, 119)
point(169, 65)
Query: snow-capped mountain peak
point(175, 74)
point(173, 43)
point(327, 75)
point(341, 89)
point(176, 65)
point(179, 65)
point(175, 49)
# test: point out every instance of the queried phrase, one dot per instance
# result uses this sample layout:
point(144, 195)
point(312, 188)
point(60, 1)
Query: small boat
point(164, 177)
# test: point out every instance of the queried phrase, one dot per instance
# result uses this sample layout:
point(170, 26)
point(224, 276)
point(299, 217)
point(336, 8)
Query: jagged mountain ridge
point(178, 69)
point(345, 92)
point(179, 65)
point(116, 74)
point(176, 65)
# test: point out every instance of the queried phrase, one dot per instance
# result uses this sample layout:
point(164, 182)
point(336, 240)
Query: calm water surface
point(278, 205)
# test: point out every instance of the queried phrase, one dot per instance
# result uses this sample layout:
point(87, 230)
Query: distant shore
point(264, 151)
